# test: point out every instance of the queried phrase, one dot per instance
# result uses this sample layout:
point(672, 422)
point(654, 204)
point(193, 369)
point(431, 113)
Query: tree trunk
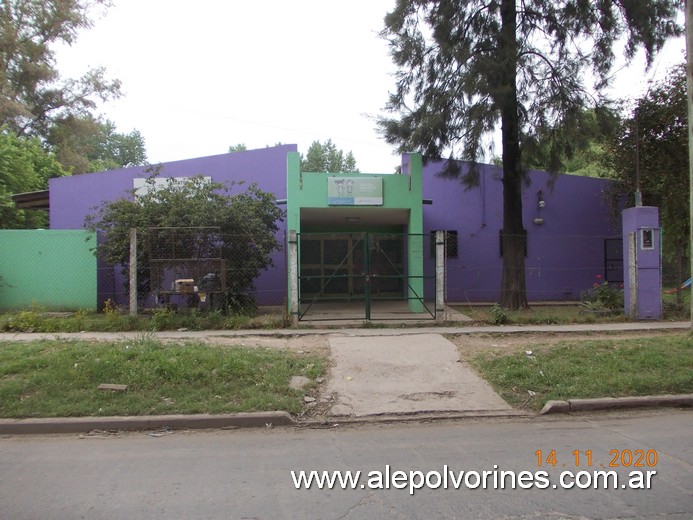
point(513, 236)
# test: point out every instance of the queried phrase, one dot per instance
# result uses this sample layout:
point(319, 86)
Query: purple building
point(573, 233)
point(568, 219)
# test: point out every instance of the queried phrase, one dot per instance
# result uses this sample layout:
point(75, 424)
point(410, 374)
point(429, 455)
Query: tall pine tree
point(466, 65)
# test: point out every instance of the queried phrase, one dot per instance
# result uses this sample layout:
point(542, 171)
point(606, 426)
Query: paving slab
point(405, 374)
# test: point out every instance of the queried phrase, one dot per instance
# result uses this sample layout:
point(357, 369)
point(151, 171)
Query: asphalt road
point(246, 474)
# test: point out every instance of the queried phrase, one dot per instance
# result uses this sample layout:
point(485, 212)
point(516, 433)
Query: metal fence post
point(440, 275)
point(632, 310)
point(133, 272)
point(293, 277)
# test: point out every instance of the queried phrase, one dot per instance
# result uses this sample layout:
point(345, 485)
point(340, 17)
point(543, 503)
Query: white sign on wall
point(355, 191)
point(142, 186)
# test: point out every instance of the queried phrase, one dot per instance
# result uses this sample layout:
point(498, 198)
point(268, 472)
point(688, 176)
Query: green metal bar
point(367, 280)
point(332, 277)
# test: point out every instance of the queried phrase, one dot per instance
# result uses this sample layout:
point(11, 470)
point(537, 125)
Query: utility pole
point(638, 193)
point(689, 81)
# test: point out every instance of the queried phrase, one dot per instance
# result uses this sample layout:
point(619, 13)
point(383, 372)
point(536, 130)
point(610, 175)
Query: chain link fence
point(202, 268)
point(199, 268)
point(557, 268)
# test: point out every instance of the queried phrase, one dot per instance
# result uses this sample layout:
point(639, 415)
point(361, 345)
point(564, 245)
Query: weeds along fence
point(194, 267)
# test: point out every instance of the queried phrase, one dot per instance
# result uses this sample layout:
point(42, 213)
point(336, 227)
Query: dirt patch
point(314, 344)
point(469, 345)
point(420, 396)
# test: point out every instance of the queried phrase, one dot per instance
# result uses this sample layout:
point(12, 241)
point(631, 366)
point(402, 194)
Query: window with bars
point(450, 243)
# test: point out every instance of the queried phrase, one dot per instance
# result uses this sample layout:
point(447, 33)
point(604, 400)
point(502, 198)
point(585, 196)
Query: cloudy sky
point(201, 76)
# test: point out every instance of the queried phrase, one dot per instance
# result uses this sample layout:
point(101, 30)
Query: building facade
point(379, 228)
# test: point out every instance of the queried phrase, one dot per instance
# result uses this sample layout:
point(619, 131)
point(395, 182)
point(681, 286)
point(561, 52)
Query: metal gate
point(366, 276)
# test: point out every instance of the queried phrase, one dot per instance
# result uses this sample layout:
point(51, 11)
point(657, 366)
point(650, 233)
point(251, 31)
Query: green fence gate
point(364, 275)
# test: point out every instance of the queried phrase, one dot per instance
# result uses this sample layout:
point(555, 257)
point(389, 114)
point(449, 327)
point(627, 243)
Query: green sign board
point(355, 191)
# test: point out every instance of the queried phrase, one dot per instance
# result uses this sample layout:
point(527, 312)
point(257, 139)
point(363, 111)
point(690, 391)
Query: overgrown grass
point(537, 315)
point(673, 310)
point(582, 369)
point(53, 378)
point(547, 314)
point(36, 319)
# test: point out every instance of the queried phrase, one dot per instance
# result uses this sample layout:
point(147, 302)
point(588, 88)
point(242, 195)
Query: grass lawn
point(592, 368)
point(54, 379)
point(36, 319)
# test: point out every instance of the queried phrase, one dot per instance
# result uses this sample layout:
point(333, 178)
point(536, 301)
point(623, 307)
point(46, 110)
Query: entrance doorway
point(361, 276)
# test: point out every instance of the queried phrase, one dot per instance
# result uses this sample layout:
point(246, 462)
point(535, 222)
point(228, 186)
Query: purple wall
point(73, 198)
point(564, 254)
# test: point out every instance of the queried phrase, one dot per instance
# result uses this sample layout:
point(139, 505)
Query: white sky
point(201, 76)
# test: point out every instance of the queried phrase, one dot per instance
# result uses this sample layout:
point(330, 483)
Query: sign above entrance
point(355, 191)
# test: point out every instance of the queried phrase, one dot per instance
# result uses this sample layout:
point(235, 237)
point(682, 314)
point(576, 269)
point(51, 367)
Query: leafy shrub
point(499, 315)
point(164, 319)
point(603, 297)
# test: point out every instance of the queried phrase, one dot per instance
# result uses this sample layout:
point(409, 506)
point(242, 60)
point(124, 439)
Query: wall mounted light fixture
point(540, 204)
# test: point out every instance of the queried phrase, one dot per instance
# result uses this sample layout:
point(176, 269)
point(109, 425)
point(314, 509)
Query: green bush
point(164, 319)
point(499, 315)
point(603, 297)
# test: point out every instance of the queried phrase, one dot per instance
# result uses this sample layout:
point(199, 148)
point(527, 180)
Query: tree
point(246, 224)
point(32, 94)
point(658, 127)
point(240, 147)
point(87, 144)
point(585, 152)
point(24, 166)
point(326, 157)
point(465, 65)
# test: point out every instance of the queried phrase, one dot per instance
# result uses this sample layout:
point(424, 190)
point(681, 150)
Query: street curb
point(607, 403)
point(58, 425)
point(145, 422)
point(413, 417)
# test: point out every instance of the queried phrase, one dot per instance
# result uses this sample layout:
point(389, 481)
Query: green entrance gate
point(371, 276)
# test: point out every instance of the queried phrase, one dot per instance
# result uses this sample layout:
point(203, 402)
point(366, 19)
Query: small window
point(647, 239)
point(450, 243)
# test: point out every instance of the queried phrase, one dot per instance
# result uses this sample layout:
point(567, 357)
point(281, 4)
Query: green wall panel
point(54, 268)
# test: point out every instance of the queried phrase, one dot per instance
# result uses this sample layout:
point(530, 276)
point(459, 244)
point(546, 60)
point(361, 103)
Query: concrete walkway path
point(404, 374)
point(183, 335)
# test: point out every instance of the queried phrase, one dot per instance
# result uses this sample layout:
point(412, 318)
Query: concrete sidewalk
point(645, 326)
point(405, 374)
point(386, 373)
